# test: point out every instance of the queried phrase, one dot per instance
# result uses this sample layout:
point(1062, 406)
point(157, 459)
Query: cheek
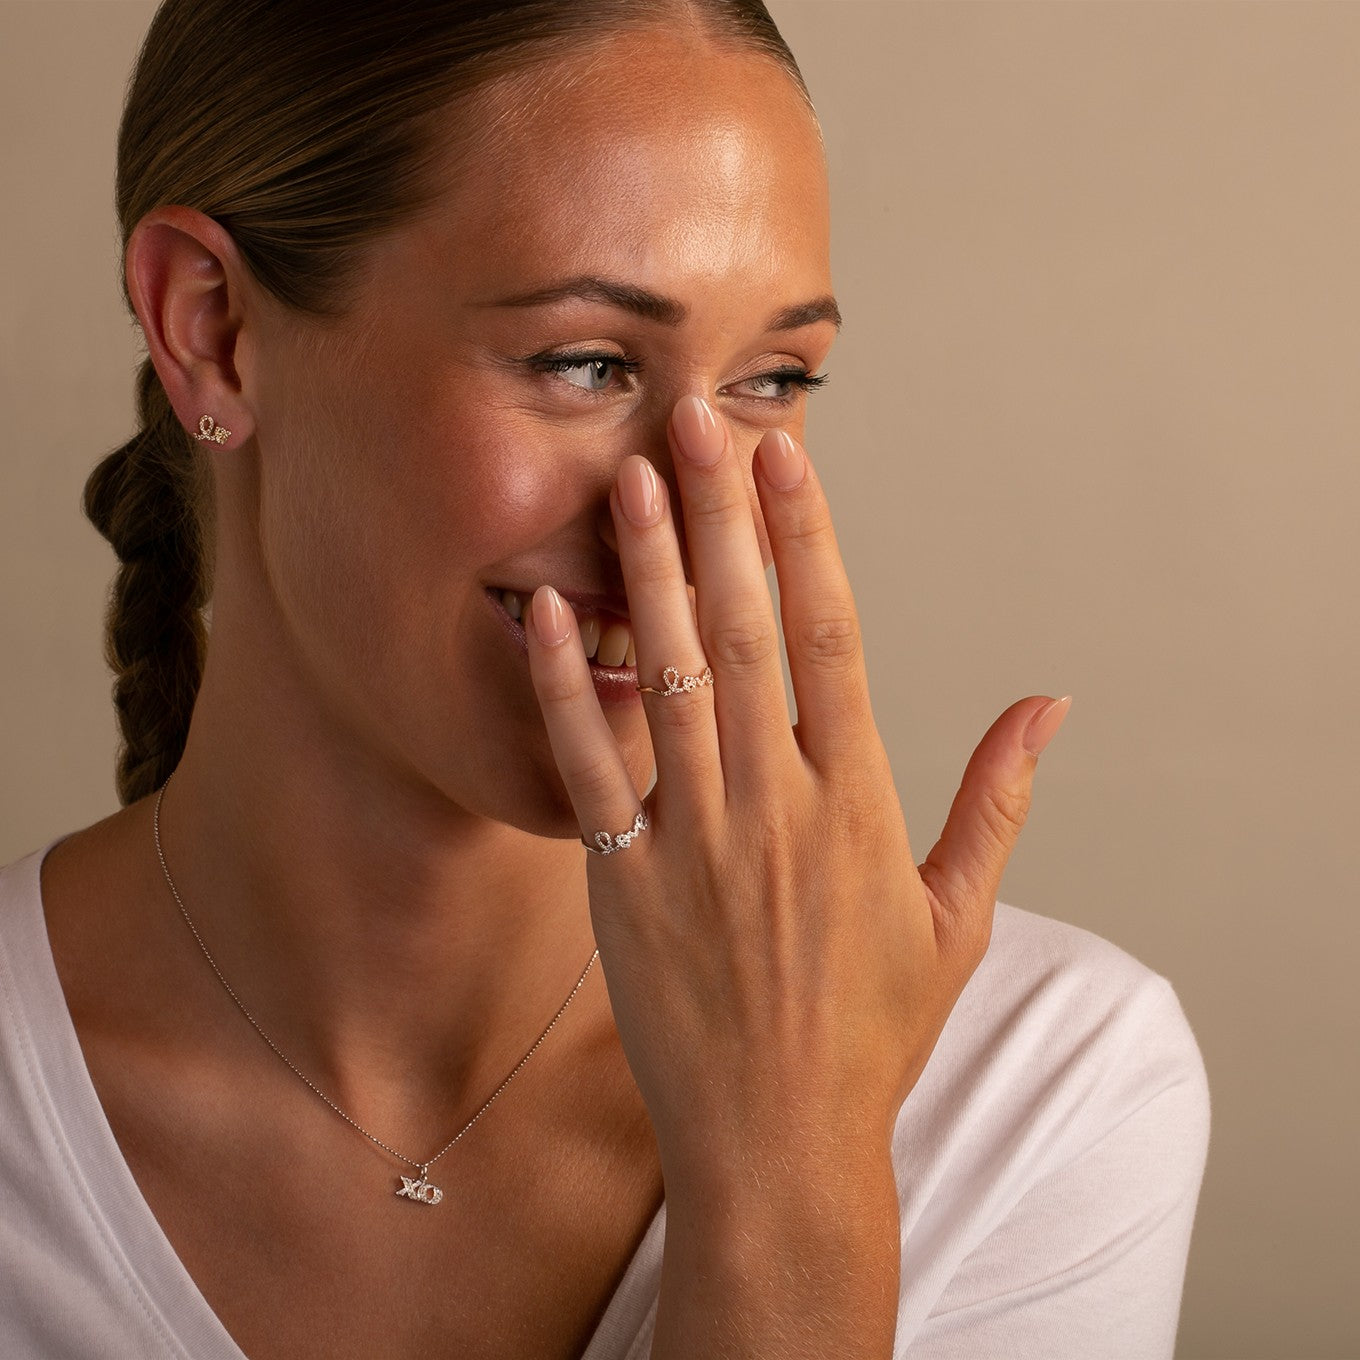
point(370, 527)
point(347, 530)
point(332, 553)
point(513, 484)
point(527, 483)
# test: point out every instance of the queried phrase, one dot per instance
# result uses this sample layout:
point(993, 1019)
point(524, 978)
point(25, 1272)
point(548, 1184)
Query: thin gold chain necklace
point(418, 1189)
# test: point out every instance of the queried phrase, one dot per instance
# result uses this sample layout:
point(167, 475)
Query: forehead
point(666, 157)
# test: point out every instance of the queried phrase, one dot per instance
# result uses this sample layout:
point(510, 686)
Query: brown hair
point(306, 130)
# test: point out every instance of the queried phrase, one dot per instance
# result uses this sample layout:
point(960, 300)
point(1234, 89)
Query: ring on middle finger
point(677, 683)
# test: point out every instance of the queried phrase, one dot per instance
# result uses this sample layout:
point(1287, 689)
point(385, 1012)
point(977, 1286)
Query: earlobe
point(184, 277)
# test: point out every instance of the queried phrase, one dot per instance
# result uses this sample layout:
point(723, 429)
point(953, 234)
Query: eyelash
point(561, 363)
point(799, 378)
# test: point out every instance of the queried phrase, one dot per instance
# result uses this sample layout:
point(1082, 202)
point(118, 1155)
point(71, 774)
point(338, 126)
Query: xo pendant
point(420, 1190)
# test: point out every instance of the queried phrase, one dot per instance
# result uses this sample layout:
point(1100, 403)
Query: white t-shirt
point(1048, 1163)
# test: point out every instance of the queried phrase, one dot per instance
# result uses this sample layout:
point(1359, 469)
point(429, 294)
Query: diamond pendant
point(420, 1190)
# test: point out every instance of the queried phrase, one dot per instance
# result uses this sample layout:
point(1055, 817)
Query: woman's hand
point(778, 966)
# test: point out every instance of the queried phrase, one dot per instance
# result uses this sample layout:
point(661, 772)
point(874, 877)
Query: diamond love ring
point(605, 844)
point(677, 683)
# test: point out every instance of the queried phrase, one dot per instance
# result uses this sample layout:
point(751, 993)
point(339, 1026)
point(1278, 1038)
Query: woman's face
point(641, 221)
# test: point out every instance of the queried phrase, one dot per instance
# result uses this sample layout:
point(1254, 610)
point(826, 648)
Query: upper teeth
point(611, 644)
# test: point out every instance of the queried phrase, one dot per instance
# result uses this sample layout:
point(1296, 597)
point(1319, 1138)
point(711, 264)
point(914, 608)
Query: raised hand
point(778, 965)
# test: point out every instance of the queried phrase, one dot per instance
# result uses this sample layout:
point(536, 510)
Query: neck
point(402, 952)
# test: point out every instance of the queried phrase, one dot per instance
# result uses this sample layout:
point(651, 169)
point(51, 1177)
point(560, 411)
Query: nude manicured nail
point(552, 618)
point(640, 491)
point(781, 460)
point(1043, 726)
point(698, 430)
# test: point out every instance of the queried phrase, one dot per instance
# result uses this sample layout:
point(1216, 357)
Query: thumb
point(963, 870)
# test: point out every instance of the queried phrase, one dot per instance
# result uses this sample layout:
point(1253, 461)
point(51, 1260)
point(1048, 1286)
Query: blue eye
point(784, 384)
point(599, 371)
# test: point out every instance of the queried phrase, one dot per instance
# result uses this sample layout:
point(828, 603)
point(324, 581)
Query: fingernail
point(697, 428)
point(1043, 726)
point(552, 618)
point(781, 460)
point(640, 491)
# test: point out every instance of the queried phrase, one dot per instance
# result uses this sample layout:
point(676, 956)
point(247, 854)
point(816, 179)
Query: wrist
point(796, 1257)
point(735, 1161)
point(788, 1179)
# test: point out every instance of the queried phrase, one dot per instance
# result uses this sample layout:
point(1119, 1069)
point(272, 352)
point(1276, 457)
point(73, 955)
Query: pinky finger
point(583, 746)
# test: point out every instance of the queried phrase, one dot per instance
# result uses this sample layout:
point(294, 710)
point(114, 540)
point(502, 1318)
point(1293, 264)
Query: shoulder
point(1026, 944)
point(1073, 988)
point(1062, 1042)
point(20, 893)
point(1070, 1017)
point(1049, 1159)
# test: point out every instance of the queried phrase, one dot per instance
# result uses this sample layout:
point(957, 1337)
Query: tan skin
point(376, 820)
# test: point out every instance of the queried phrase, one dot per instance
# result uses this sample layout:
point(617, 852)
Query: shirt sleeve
point(1089, 1261)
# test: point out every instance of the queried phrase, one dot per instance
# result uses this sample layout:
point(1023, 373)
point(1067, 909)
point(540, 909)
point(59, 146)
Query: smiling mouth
point(607, 637)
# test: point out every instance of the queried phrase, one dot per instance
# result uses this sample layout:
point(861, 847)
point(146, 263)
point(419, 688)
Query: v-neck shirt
point(1048, 1163)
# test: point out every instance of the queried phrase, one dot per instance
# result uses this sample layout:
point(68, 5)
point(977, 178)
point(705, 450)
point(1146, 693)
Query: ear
point(188, 287)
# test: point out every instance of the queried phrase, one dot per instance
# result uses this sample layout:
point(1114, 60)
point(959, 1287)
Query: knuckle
point(964, 924)
point(718, 508)
point(741, 643)
point(652, 572)
point(592, 779)
point(831, 639)
point(1003, 812)
point(562, 687)
point(682, 714)
point(809, 531)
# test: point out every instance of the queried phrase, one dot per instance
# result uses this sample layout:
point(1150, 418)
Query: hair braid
point(148, 499)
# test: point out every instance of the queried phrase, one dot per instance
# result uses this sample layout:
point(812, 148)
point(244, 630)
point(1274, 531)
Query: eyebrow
point(655, 306)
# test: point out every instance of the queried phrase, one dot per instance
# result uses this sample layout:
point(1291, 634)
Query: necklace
point(417, 1188)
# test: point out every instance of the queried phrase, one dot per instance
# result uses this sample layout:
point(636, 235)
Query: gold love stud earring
point(208, 428)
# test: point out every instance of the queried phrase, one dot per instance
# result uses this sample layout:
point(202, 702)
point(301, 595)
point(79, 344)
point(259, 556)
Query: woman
point(479, 342)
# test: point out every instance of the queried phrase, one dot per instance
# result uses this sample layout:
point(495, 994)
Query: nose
point(652, 440)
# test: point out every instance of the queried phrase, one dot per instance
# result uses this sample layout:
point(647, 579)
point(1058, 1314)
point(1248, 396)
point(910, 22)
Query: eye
point(592, 374)
point(783, 384)
point(589, 372)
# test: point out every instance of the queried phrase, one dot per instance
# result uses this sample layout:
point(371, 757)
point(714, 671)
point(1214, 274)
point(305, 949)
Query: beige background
point(1092, 427)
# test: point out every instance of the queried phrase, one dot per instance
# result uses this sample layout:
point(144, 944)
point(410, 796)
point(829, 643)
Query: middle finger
point(684, 737)
point(736, 615)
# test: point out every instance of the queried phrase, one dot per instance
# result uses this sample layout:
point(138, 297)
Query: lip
point(613, 684)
